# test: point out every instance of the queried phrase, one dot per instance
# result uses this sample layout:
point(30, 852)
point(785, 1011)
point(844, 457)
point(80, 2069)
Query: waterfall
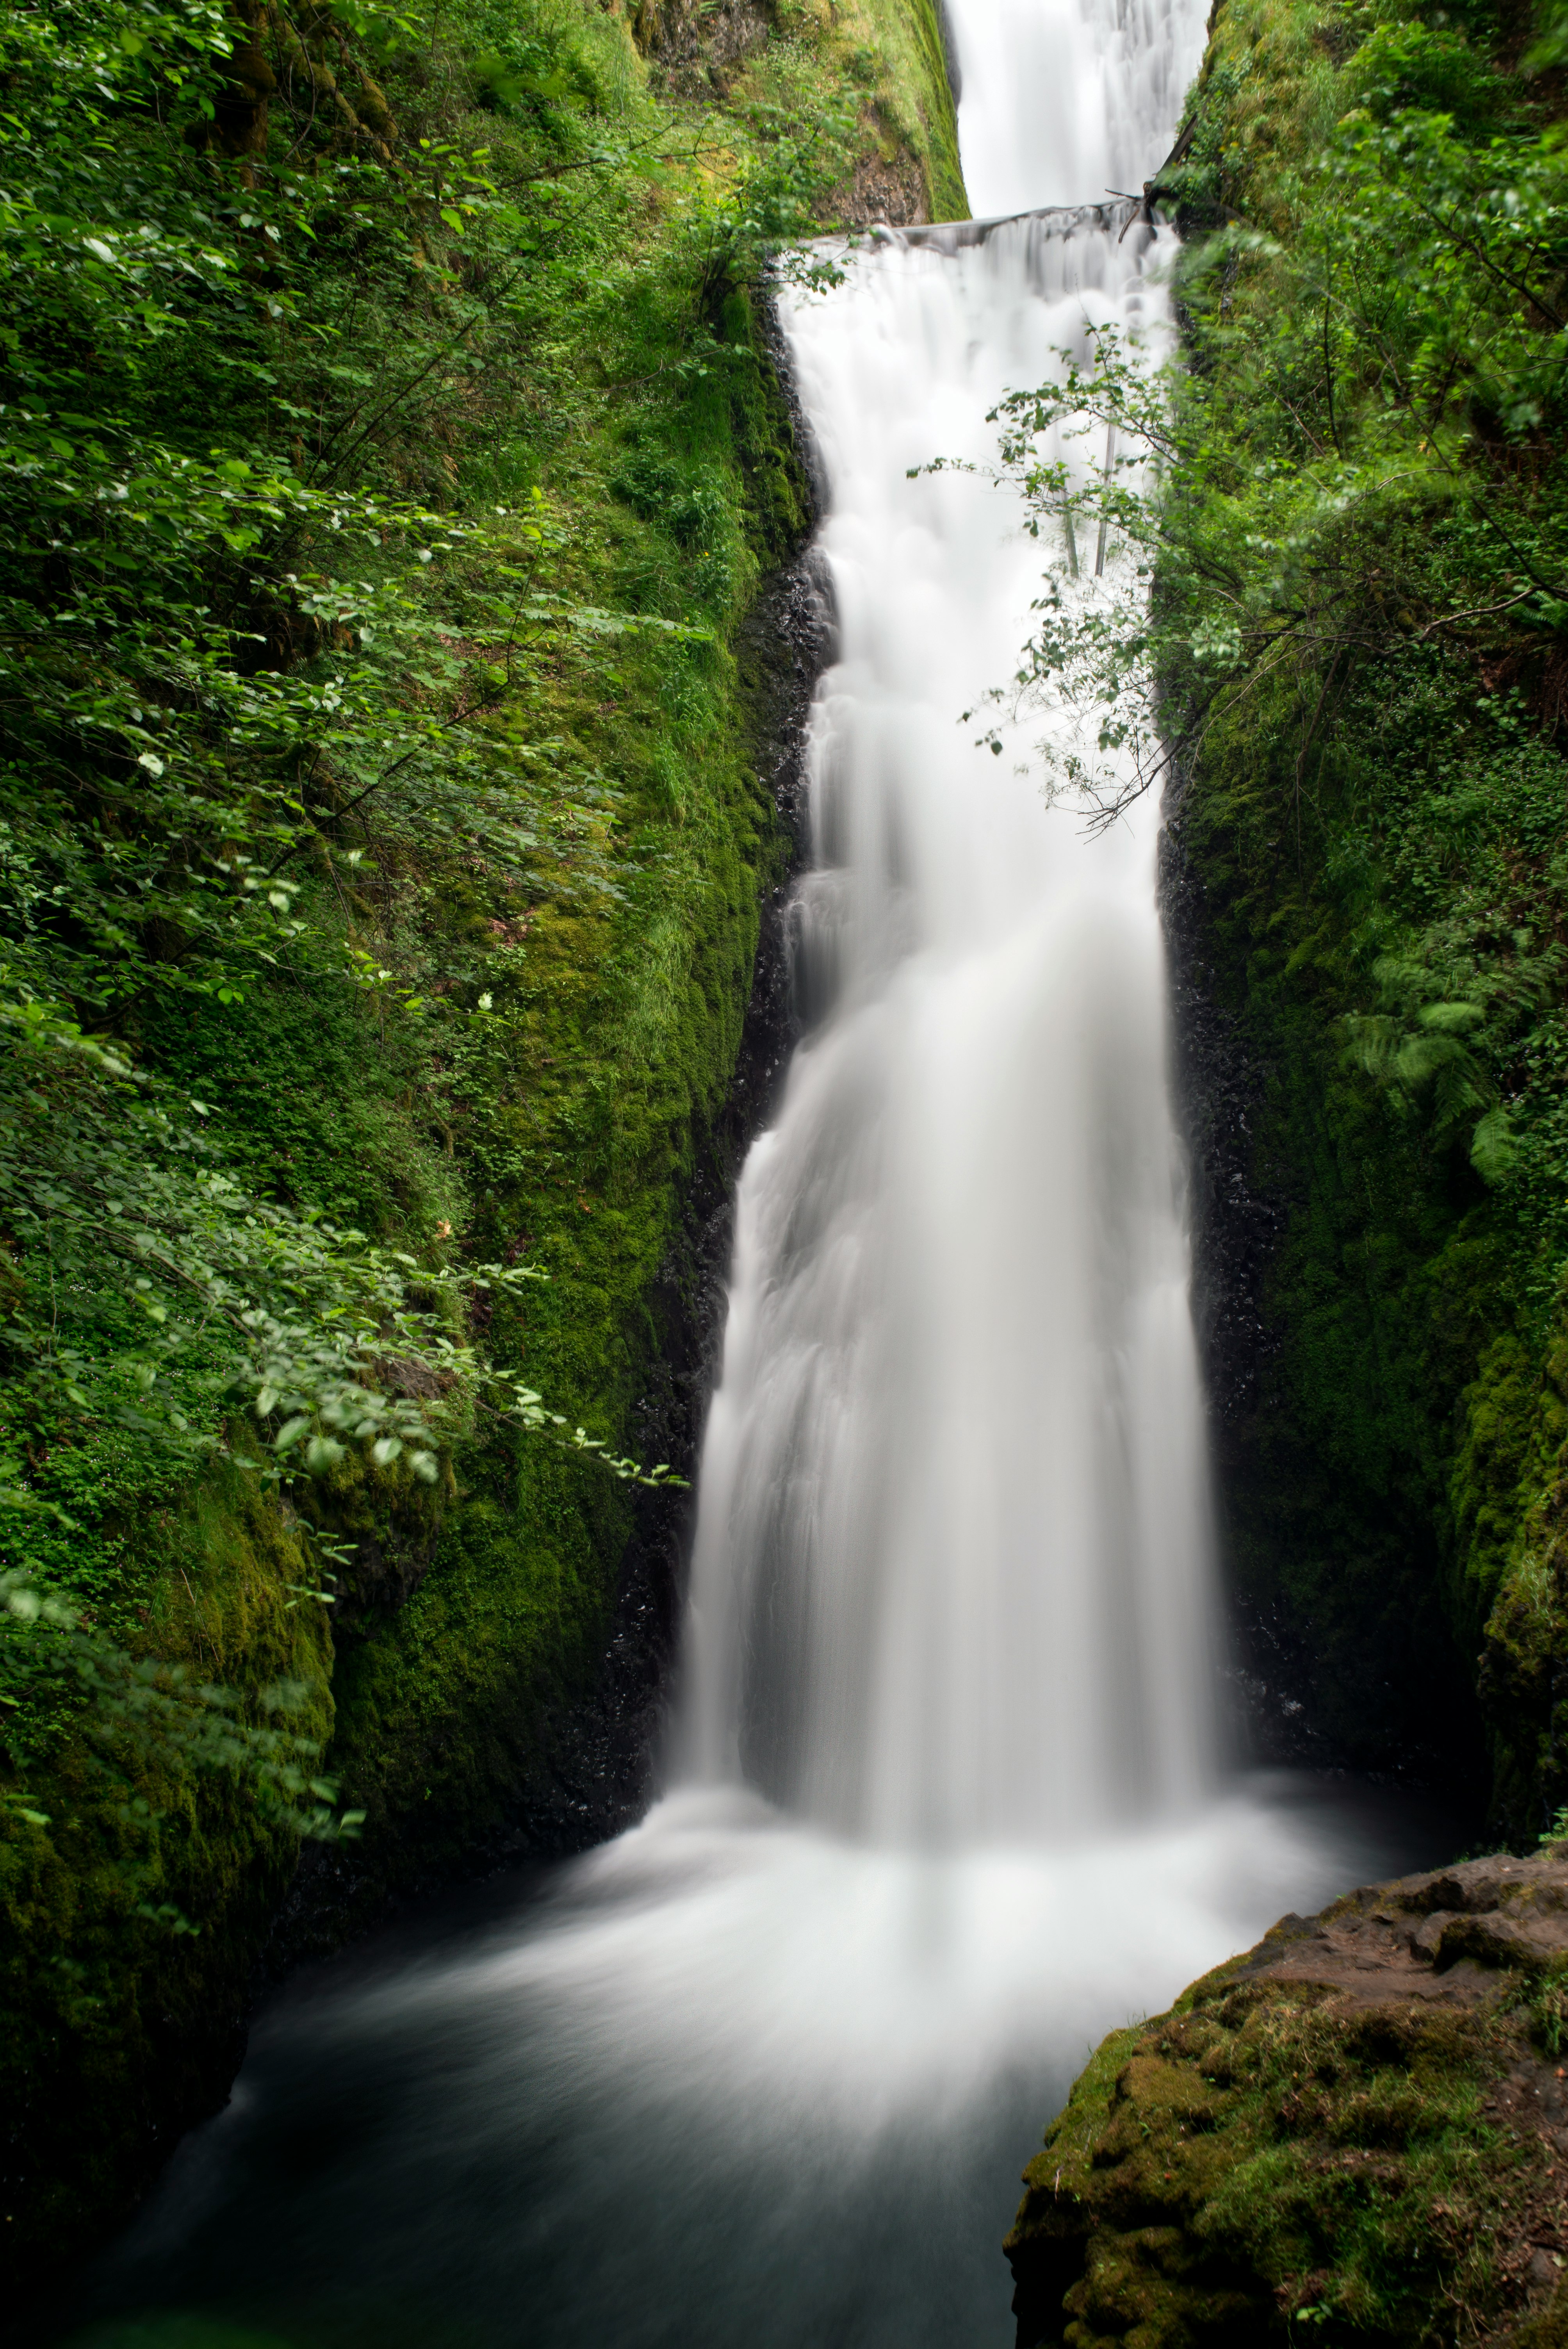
point(1064, 99)
point(951, 1572)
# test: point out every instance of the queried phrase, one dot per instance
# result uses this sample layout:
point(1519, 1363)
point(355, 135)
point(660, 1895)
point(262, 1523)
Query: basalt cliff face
point(1363, 883)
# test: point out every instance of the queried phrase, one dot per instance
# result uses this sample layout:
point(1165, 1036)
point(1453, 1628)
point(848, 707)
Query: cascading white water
point(1064, 99)
point(952, 1572)
point(765, 2068)
point(951, 1577)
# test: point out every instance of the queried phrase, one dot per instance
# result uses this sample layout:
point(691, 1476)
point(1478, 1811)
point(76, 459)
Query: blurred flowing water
point(947, 1799)
point(952, 1575)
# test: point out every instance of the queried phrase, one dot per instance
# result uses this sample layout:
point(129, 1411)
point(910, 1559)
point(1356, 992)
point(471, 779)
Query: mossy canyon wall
point(406, 632)
point(382, 942)
point(1363, 882)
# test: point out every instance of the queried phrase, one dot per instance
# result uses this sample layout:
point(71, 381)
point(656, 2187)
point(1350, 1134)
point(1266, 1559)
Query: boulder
point(1358, 2126)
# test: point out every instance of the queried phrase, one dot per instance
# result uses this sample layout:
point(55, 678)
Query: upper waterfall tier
point(1063, 99)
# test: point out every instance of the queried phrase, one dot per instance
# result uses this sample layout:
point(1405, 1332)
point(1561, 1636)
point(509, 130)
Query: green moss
point(1547, 2331)
point(1526, 1630)
point(908, 33)
point(116, 2029)
point(1262, 2162)
point(1381, 1298)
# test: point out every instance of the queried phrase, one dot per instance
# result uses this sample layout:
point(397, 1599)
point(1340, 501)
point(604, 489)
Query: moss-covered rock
point(123, 2026)
point(1359, 2130)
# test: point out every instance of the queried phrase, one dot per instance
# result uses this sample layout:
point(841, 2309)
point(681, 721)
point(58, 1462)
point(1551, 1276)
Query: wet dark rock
point(1339, 1654)
point(1237, 1227)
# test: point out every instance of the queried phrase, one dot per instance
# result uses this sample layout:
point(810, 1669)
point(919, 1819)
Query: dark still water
point(724, 2082)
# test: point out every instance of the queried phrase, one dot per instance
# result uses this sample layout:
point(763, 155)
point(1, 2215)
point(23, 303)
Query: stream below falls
point(948, 1795)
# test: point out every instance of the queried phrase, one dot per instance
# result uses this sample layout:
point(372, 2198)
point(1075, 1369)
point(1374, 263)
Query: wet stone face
point(1366, 2115)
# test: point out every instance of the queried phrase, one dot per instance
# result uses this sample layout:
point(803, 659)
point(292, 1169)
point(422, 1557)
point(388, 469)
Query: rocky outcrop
point(1359, 2127)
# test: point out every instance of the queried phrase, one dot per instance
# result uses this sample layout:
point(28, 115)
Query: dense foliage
point(390, 457)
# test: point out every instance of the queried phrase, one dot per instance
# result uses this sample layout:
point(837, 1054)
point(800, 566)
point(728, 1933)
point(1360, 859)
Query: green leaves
point(755, 215)
point(1492, 1148)
point(1333, 383)
point(165, 1716)
point(311, 1329)
point(260, 704)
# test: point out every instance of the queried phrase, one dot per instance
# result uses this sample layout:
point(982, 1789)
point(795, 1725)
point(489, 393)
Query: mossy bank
point(401, 463)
